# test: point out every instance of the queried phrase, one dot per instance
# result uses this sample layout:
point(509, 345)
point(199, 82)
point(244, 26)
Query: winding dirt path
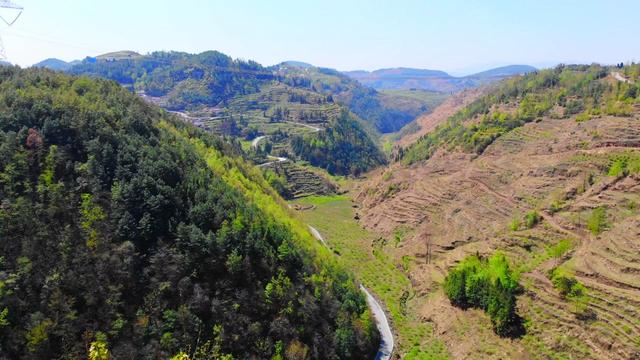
point(386, 342)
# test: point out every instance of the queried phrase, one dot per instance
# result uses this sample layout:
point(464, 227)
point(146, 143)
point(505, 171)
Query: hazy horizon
point(455, 37)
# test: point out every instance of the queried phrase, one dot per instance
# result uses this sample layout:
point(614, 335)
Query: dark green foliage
point(116, 231)
point(489, 285)
point(343, 148)
point(568, 286)
point(365, 103)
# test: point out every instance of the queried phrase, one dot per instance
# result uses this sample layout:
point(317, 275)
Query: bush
point(488, 285)
point(514, 225)
point(597, 221)
point(618, 168)
point(532, 219)
point(583, 117)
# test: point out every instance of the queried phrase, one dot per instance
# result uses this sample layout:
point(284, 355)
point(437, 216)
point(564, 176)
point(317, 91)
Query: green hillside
point(558, 93)
point(127, 232)
point(375, 108)
point(243, 100)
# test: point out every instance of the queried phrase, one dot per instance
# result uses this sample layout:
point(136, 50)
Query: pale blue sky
point(456, 36)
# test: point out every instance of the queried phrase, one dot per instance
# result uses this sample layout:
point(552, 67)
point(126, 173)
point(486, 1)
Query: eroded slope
point(559, 195)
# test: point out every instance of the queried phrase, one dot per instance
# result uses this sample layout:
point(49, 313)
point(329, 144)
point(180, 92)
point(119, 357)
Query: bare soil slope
point(464, 204)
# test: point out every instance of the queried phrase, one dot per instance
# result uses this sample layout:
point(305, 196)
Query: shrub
point(532, 219)
point(597, 220)
point(618, 168)
point(514, 225)
point(488, 285)
point(556, 206)
point(583, 117)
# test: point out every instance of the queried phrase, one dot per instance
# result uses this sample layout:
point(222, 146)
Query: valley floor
point(363, 252)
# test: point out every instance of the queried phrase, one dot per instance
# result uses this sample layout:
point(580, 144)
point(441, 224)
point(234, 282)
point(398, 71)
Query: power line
point(7, 4)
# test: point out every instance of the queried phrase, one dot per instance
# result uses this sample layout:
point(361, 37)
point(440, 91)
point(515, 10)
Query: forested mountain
point(181, 80)
point(343, 148)
point(244, 100)
point(433, 80)
point(126, 231)
point(186, 81)
point(524, 205)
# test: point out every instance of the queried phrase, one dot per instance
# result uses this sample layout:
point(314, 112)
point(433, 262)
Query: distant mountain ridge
point(56, 64)
point(434, 80)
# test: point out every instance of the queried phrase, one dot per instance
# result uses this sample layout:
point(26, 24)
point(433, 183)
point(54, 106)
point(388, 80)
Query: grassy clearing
point(333, 217)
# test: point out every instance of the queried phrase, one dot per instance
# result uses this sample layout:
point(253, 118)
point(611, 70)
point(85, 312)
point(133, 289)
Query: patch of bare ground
point(461, 204)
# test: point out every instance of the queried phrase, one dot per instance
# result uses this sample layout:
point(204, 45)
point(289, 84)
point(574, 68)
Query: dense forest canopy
point(129, 232)
point(343, 148)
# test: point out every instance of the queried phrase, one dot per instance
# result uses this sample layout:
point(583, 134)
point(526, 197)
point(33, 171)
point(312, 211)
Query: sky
point(452, 35)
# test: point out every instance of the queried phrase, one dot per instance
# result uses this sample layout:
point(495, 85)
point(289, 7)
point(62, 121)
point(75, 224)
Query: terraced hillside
point(302, 181)
point(244, 100)
point(547, 173)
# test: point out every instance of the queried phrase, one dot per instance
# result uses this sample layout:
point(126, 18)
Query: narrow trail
point(314, 128)
point(386, 342)
point(256, 141)
point(276, 159)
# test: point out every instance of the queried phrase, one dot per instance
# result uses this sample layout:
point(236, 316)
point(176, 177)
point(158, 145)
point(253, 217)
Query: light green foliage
point(98, 349)
point(531, 219)
point(38, 334)
point(624, 164)
point(561, 248)
point(91, 215)
point(585, 116)
point(180, 356)
point(571, 289)
point(556, 205)
point(618, 168)
point(406, 262)
point(514, 225)
point(597, 220)
point(3, 317)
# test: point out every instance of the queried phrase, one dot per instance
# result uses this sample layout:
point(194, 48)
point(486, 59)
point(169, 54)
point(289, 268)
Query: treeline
point(186, 80)
point(576, 90)
point(137, 237)
point(487, 284)
point(343, 148)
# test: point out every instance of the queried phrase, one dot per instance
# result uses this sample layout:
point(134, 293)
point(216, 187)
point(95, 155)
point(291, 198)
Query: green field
point(363, 252)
